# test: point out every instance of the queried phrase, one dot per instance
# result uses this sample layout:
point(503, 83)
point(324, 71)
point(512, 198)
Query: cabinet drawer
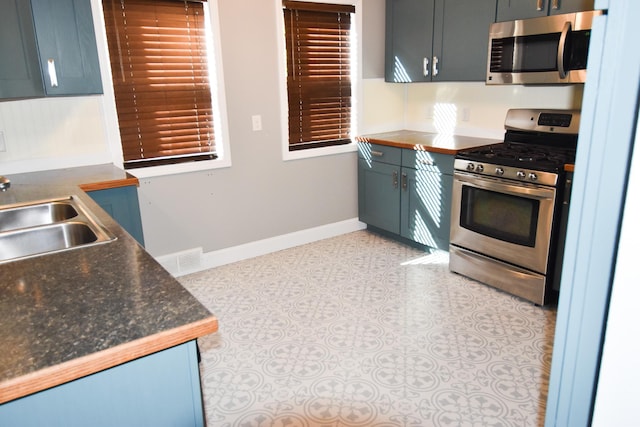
point(427, 160)
point(379, 153)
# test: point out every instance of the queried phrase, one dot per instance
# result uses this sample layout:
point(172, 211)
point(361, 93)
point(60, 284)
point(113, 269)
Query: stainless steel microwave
point(546, 50)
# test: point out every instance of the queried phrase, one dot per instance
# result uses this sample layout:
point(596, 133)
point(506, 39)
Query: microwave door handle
point(561, 47)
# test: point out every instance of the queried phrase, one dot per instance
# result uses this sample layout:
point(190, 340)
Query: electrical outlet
point(256, 122)
point(466, 114)
point(3, 145)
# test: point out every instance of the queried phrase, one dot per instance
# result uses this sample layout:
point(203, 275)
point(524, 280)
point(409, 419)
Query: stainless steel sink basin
point(48, 226)
point(45, 239)
point(36, 214)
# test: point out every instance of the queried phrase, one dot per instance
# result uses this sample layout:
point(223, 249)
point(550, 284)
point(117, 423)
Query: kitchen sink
point(48, 226)
point(36, 214)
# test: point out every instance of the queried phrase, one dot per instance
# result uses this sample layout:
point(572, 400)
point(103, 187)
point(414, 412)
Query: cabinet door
point(19, 68)
point(122, 204)
point(379, 195)
point(67, 46)
point(409, 40)
point(461, 39)
point(509, 10)
point(557, 7)
point(426, 207)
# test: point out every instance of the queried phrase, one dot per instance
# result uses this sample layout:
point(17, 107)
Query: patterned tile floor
point(359, 330)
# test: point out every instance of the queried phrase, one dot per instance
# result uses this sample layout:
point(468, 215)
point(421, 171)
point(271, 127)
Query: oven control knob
point(533, 176)
point(520, 174)
point(499, 171)
point(479, 168)
point(470, 166)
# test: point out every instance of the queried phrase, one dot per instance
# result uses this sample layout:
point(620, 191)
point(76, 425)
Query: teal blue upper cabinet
point(509, 10)
point(54, 47)
point(461, 40)
point(67, 46)
point(437, 40)
point(122, 205)
point(408, 40)
point(19, 68)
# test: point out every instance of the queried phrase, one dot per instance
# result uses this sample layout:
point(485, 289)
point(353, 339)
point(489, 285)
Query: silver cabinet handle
point(435, 66)
point(404, 181)
point(53, 77)
point(377, 153)
point(540, 5)
point(426, 162)
point(555, 5)
point(425, 67)
point(561, 44)
point(395, 179)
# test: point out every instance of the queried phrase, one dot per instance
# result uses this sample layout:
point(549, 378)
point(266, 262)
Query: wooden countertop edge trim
point(408, 145)
point(105, 359)
point(105, 185)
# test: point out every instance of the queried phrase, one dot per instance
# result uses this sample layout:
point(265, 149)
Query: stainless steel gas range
point(507, 200)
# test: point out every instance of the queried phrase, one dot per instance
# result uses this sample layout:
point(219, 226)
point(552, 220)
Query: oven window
point(509, 218)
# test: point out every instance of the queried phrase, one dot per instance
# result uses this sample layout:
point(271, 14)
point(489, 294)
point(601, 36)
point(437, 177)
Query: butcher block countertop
point(69, 314)
point(425, 141)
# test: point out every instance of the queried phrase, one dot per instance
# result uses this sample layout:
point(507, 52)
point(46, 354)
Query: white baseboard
point(193, 260)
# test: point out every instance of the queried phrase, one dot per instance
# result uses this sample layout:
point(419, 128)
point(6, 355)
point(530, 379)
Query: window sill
point(164, 170)
point(318, 152)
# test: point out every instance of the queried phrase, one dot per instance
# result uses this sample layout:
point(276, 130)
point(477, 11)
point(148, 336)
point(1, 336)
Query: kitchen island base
point(161, 389)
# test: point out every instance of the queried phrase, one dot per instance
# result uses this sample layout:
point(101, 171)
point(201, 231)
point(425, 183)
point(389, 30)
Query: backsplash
point(49, 133)
point(479, 110)
point(469, 108)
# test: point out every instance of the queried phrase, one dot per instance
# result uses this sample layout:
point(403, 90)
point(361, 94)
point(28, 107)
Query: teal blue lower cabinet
point(406, 193)
point(162, 389)
point(122, 204)
point(426, 207)
point(379, 195)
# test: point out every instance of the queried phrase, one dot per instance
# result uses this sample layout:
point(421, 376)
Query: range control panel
point(548, 121)
point(506, 172)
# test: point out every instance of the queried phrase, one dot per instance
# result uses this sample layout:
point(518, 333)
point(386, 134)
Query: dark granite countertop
point(425, 141)
point(74, 313)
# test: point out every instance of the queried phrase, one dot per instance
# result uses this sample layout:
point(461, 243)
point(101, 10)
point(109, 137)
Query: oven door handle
point(524, 189)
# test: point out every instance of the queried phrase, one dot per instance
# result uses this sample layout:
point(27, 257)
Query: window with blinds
point(158, 53)
point(318, 49)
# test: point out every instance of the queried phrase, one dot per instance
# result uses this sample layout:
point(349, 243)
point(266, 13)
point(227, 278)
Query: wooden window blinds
point(160, 75)
point(318, 73)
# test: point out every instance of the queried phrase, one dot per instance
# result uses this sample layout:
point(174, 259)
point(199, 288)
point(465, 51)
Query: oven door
point(506, 220)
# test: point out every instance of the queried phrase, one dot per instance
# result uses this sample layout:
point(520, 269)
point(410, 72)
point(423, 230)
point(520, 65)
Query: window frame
point(356, 94)
point(216, 81)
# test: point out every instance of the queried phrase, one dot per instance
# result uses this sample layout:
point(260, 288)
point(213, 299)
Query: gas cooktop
point(542, 140)
point(530, 156)
point(537, 145)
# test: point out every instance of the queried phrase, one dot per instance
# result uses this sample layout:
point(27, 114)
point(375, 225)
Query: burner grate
point(518, 154)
